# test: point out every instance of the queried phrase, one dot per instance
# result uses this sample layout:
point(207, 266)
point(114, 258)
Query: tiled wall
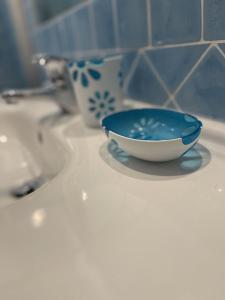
point(175, 49)
point(11, 73)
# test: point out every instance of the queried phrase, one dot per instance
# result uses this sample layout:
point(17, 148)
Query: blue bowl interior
point(153, 125)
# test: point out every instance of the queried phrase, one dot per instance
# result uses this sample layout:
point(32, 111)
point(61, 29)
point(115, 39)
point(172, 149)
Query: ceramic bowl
point(153, 134)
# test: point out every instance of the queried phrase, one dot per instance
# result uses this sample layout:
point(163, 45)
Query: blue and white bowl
point(153, 134)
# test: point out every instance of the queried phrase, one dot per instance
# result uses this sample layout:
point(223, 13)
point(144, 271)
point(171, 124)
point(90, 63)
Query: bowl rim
point(199, 127)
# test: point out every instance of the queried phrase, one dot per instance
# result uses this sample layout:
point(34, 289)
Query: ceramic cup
point(97, 85)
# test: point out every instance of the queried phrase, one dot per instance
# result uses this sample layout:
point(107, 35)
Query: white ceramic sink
point(30, 156)
point(111, 227)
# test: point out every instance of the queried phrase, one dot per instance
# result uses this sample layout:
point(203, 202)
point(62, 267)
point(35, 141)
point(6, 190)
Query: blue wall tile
point(222, 46)
point(173, 64)
point(82, 27)
point(58, 34)
point(11, 71)
point(72, 33)
point(214, 20)
point(55, 46)
point(204, 93)
point(104, 24)
point(29, 12)
point(127, 61)
point(173, 22)
point(126, 65)
point(69, 34)
point(145, 86)
point(62, 36)
point(132, 22)
point(176, 21)
point(47, 41)
point(7, 33)
point(41, 42)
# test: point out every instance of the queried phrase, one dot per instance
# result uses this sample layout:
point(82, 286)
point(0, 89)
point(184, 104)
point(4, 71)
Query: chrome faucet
point(58, 84)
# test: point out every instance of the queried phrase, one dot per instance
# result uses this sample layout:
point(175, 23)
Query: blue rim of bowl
point(185, 137)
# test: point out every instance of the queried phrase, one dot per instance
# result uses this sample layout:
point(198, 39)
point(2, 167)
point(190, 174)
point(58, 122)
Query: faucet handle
point(42, 59)
point(57, 73)
point(58, 84)
point(54, 67)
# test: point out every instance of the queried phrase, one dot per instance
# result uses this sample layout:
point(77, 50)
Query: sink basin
point(110, 226)
point(30, 155)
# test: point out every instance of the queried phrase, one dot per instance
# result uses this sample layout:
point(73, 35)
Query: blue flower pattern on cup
point(86, 70)
point(121, 79)
point(101, 104)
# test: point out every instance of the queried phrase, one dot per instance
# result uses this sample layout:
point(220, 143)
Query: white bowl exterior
point(109, 81)
point(157, 151)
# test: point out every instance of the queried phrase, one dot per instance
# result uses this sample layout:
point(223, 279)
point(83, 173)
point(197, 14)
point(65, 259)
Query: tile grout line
point(149, 21)
point(174, 102)
point(115, 22)
point(172, 99)
point(204, 42)
point(175, 45)
point(156, 73)
point(162, 83)
point(176, 105)
point(131, 72)
point(202, 20)
point(91, 52)
point(63, 15)
point(192, 70)
point(168, 101)
point(220, 50)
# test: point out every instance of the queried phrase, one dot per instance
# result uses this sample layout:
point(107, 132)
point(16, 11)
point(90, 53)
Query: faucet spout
point(58, 84)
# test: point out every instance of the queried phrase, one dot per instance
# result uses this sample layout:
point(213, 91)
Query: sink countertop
point(112, 227)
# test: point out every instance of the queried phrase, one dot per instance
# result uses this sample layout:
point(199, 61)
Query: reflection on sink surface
point(195, 159)
point(30, 156)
